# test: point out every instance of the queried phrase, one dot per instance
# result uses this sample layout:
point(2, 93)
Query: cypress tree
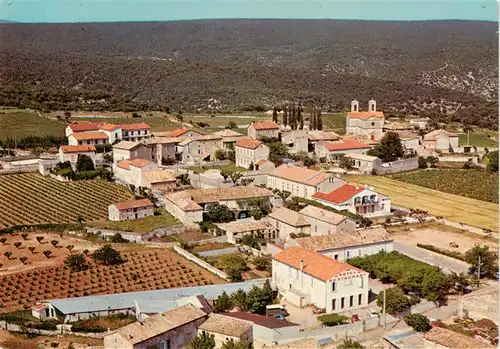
point(319, 122)
point(285, 115)
point(275, 115)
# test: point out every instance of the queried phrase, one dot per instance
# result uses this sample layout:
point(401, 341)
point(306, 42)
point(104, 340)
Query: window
point(348, 254)
point(359, 252)
point(333, 304)
point(351, 301)
point(357, 201)
point(336, 257)
point(333, 286)
point(360, 299)
point(342, 303)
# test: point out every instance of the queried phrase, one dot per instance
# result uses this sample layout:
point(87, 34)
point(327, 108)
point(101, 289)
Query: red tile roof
point(77, 148)
point(83, 127)
point(314, 264)
point(84, 136)
point(248, 143)
point(108, 127)
point(365, 114)
point(264, 321)
point(345, 145)
point(133, 204)
point(136, 162)
point(300, 174)
point(261, 162)
point(178, 132)
point(340, 195)
point(133, 127)
point(265, 125)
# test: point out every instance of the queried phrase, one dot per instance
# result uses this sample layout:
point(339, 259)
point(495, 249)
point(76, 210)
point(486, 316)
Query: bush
point(82, 327)
point(333, 319)
point(47, 326)
point(419, 322)
point(452, 254)
point(117, 238)
point(395, 301)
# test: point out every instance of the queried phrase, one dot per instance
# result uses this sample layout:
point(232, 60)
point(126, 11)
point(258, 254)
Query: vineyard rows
point(146, 269)
point(33, 199)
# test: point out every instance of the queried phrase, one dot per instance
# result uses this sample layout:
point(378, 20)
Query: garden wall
point(398, 166)
point(138, 237)
point(464, 158)
point(219, 252)
point(218, 239)
point(201, 263)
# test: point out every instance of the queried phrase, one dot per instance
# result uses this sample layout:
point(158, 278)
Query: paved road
point(446, 263)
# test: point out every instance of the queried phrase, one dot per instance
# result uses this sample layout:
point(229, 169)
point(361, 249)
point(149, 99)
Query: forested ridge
point(444, 69)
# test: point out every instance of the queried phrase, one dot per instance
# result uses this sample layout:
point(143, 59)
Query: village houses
point(144, 173)
point(305, 277)
point(324, 222)
point(236, 230)
point(88, 138)
point(356, 199)
point(128, 150)
point(229, 138)
point(72, 152)
point(225, 328)
point(250, 151)
point(102, 133)
point(365, 164)
point(329, 152)
point(263, 129)
point(441, 141)
point(301, 181)
point(189, 205)
point(172, 329)
point(367, 123)
point(164, 148)
point(287, 222)
point(127, 210)
point(197, 149)
point(355, 243)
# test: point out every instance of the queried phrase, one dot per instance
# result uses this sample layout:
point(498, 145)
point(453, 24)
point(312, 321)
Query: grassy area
point(479, 185)
point(453, 207)
point(228, 168)
point(477, 139)
point(212, 246)
point(22, 123)
point(139, 225)
point(335, 122)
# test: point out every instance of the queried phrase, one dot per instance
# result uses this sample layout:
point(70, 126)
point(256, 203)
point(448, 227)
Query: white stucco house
point(144, 173)
point(263, 129)
point(128, 150)
point(324, 222)
point(301, 181)
point(286, 222)
point(364, 163)
point(356, 199)
point(237, 229)
point(128, 132)
point(356, 243)
point(329, 151)
point(127, 210)
point(250, 151)
point(441, 141)
point(88, 138)
point(297, 141)
point(135, 132)
point(367, 123)
point(71, 152)
point(305, 277)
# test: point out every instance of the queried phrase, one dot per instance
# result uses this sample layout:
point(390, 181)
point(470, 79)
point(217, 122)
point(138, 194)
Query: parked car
point(275, 309)
point(279, 316)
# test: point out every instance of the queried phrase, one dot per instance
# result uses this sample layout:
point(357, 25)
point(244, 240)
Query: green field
point(139, 225)
point(478, 140)
point(453, 207)
point(479, 185)
point(335, 122)
point(22, 123)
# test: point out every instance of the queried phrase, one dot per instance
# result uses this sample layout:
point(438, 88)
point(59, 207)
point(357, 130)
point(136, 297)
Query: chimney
point(302, 264)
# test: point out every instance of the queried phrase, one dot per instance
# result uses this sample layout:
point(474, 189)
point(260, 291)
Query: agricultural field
point(30, 198)
point(479, 185)
point(453, 207)
point(145, 268)
point(479, 139)
point(18, 123)
point(141, 225)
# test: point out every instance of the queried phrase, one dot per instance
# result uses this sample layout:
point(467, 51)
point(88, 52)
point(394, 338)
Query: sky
point(168, 10)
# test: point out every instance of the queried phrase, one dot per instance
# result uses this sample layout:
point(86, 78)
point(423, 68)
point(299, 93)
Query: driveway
point(447, 264)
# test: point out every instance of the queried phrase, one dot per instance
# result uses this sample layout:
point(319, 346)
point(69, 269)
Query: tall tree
point(300, 117)
point(489, 262)
point(285, 115)
point(389, 148)
point(319, 122)
point(275, 114)
point(84, 163)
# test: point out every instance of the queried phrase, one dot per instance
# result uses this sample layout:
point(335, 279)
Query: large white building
point(301, 181)
point(250, 151)
point(347, 245)
point(366, 123)
point(127, 150)
point(329, 151)
point(144, 173)
point(304, 277)
point(286, 222)
point(441, 141)
point(356, 199)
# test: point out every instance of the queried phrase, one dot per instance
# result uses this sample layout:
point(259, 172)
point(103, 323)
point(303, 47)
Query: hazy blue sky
point(147, 10)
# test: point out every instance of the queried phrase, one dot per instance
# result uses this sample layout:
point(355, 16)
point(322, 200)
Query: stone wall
point(397, 166)
point(201, 263)
point(138, 237)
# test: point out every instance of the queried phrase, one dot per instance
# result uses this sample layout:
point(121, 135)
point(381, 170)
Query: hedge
point(452, 254)
point(333, 319)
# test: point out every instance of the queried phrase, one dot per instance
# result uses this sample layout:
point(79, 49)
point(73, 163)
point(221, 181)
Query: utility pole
point(479, 271)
